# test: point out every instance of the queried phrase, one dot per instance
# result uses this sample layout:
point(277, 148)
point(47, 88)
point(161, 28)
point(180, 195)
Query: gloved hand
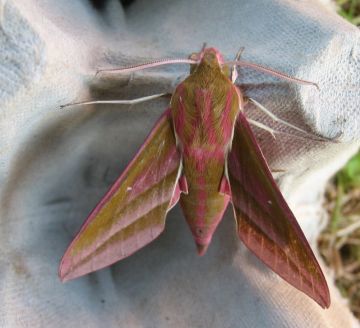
point(57, 163)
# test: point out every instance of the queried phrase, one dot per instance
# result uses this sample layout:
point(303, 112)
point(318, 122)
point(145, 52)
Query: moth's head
point(209, 57)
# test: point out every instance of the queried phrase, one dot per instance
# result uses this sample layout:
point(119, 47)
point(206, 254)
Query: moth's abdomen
point(204, 205)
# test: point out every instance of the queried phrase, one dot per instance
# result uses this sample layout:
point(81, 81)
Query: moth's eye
point(194, 56)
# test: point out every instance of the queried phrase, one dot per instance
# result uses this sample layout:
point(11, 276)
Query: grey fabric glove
point(57, 163)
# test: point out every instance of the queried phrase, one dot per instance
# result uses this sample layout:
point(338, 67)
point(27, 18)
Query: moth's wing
point(133, 211)
point(265, 222)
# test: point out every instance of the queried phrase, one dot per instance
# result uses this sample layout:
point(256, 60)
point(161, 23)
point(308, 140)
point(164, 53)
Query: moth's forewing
point(265, 222)
point(133, 211)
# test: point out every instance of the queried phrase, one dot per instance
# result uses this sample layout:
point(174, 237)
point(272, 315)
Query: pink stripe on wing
point(149, 178)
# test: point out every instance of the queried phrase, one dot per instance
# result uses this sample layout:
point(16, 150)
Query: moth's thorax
point(204, 109)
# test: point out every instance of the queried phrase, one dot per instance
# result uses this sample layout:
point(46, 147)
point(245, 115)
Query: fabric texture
point(56, 163)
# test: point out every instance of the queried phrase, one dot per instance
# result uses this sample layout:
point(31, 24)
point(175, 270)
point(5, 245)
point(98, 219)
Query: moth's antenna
point(150, 64)
point(270, 71)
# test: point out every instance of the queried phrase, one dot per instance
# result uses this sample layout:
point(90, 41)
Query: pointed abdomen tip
point(202, 248)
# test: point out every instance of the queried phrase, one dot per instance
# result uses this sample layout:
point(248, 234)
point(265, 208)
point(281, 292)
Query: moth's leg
point(268, 129)
point(279, 120)
point(262, 126)
point(234, 73)
point(273, 132)
point(117, 102)
point(274, 117)
point(277, 170)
